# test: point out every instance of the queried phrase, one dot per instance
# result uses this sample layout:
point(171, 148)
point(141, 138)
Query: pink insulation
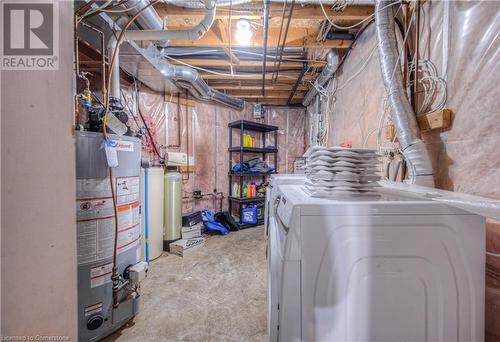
point(461, 39)
point(204, 135)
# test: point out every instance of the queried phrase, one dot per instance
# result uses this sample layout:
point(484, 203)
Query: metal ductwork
point(403, 116)
point(189, 79)
point(183, 76)
point(194, 33)
point(332, 63)
point(149, 18)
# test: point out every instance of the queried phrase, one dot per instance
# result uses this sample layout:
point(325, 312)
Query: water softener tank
point(96, 231)
point(172, 220)
point(153, 208)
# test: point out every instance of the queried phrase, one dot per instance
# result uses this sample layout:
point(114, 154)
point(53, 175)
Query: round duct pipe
point(403, 116)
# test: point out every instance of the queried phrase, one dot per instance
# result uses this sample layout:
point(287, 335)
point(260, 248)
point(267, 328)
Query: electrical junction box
point(258, 111)
point(138, 272)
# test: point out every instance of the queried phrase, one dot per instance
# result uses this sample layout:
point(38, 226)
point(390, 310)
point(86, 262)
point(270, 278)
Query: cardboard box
point(192, 232)
point(185, 246)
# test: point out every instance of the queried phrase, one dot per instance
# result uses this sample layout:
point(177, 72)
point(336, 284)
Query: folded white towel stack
point(340, 172)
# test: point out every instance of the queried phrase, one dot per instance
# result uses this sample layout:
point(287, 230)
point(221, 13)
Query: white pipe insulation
point(403, 116)
point(194, 33)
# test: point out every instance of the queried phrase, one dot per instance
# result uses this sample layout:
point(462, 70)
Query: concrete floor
point(217, 293)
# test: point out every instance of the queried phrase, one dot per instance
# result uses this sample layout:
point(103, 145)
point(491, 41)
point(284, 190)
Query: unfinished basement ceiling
point(295, 55)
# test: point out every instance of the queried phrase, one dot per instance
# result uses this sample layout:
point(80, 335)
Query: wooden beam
point(257, 87)
point(257, 94)
point(172, 98)
point(267, 101)
point(253, 11)
point(297, 37)
point(282, 76)
point(439, 119)
point(220, 30)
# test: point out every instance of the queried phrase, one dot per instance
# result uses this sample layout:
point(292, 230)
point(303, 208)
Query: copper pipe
point(113, 58)
point(77, 69)
point(84, 7)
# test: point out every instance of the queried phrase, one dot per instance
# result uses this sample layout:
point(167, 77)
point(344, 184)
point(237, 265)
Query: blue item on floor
point(249, 214)
point(212, 225)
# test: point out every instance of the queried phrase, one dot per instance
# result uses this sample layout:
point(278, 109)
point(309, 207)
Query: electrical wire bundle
point(434, 87)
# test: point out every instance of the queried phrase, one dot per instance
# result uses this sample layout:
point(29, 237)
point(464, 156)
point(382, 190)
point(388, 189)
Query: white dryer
point(274, 241)
point(387, 269)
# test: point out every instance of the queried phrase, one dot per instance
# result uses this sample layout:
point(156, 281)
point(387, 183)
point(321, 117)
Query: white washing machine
point(272, 193)
point(387, 269)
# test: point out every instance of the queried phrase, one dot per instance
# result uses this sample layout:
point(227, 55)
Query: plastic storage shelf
point(266, 132)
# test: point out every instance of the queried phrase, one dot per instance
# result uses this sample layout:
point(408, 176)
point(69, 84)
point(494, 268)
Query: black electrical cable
point(147, 128)
point(129, 109)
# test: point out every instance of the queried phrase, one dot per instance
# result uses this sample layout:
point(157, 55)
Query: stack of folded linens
point(340, 172)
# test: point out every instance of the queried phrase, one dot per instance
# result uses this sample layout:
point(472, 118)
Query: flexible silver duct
point(332, 62)
point(403, 116)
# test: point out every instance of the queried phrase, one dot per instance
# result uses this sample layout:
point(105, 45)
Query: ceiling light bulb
point(243, 24)
point(243, 31)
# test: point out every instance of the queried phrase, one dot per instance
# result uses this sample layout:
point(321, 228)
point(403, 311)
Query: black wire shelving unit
point(266, 132)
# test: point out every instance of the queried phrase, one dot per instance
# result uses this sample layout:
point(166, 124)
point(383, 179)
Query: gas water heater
point(97, 316)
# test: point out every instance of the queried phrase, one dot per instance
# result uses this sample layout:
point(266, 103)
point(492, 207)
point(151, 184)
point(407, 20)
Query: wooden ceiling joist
point(242, 77)
point(253, 11)
point(257, 87)
point(220, 30)
point(255, 94)
point(296, 37)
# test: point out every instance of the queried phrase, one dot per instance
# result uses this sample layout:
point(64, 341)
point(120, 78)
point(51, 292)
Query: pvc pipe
point(115, 76)
point(194, 33)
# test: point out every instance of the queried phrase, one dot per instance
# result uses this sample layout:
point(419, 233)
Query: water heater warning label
point(94, 208)
point(127, 189)
point(96, 219)
point(101, 274)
